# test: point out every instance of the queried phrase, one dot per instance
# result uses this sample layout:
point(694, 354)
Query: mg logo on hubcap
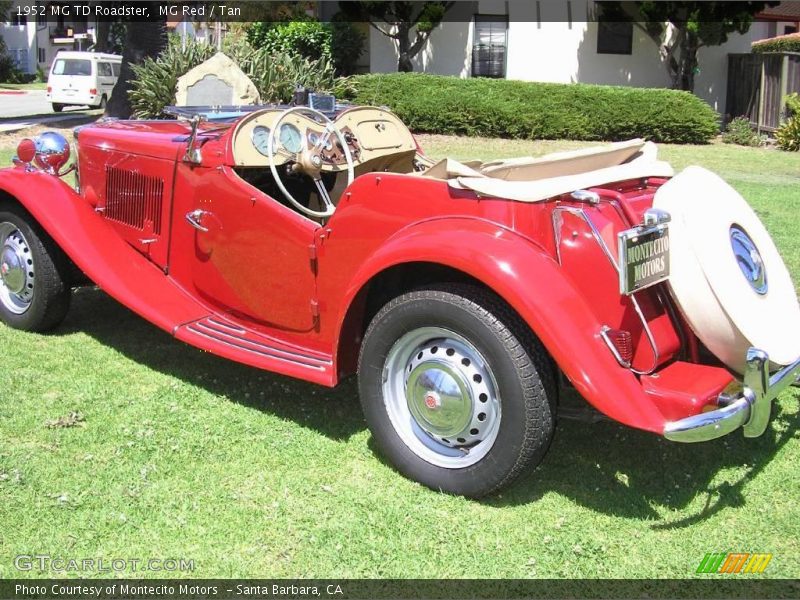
point(749, 260)
point(432, 400)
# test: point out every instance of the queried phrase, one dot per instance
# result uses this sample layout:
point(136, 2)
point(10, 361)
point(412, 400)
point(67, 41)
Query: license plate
point(643, 257)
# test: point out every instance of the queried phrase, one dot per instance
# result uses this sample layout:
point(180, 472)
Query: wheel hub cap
point(12, 271)
point(439, 398)
point(448, 391)
point(16, 270)
point(749, 260)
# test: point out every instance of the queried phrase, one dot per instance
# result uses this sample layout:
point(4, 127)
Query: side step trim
point(230, 340)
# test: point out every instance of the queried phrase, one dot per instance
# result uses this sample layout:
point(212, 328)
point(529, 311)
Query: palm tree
point(142, 40)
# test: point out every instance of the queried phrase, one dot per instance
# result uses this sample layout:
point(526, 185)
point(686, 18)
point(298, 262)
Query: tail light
point(49, 89)
point(620, 342)
point(93, 91)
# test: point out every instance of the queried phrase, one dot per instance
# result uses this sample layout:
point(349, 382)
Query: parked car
point(464, 296)
point(82, 79)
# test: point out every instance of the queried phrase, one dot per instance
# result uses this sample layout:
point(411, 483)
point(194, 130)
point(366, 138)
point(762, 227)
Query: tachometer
point(260, 138)
point(291, 138)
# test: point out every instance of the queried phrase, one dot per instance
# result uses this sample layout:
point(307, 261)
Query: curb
point(12, 92)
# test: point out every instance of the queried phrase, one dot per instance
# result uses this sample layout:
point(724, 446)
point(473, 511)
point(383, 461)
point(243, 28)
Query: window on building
point(614, 37)
point(787, 29)
point(489, 46)
point(42, 55)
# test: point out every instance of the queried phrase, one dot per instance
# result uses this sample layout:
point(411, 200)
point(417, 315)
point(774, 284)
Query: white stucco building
point(33, 42)
point(559, 42)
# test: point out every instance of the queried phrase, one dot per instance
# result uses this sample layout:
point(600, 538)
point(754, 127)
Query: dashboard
point(369, 132)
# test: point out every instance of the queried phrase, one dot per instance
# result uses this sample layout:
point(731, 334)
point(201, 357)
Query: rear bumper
point(82, 99)
point(748, 407)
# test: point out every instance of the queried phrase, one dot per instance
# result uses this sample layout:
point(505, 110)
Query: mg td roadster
point(323, 243)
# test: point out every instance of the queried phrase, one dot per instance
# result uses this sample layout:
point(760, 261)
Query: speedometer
point(260, 138)
point(291, 138)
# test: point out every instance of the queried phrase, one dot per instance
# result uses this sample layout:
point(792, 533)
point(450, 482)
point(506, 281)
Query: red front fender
point(97, 250)
point(534, 285)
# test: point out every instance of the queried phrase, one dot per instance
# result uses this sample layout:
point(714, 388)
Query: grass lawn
point(184, 455)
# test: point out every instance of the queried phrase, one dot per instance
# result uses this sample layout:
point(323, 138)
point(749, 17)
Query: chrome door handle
point(195, 217)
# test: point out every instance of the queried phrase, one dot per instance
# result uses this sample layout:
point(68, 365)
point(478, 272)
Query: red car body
point(267, 287)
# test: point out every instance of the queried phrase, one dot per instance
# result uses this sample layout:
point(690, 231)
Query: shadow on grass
point(333, 412)
point(624, 472)
point(603, 466)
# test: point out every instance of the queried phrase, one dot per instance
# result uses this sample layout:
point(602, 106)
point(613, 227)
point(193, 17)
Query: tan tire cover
point(718, 301)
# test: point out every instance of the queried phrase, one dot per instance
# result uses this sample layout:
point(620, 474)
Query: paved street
point(20, 110)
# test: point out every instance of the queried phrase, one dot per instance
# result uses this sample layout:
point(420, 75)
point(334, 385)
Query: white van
point(82, 78)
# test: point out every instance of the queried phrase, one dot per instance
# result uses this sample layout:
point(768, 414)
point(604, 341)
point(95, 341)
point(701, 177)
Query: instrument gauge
point(291, 138)
point(260, 139)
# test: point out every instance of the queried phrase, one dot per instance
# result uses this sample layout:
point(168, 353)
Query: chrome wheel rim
point(16, 270)
point(441, 397)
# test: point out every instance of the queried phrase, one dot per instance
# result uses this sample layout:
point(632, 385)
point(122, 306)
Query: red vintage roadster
point(319, 244)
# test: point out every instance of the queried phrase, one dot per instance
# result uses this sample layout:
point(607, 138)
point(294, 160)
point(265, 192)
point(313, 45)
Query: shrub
point(309, 39)
point(347, 45)
point(339, 41)
point(740, 132)
point(274, 76)
point(9, 73)
point(793, 104)
point(788, 135)
point(527, 110)
point(782, 43)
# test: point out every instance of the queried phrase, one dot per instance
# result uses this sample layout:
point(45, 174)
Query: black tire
point(522, 369)
point(103, 102)
point(51, 289)
point(58, 107)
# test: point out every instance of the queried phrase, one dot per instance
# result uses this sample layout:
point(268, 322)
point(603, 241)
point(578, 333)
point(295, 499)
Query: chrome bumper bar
point(749, 408)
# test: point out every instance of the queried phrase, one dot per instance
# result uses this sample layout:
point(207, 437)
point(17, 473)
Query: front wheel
point(34, 289)
point(458, 393)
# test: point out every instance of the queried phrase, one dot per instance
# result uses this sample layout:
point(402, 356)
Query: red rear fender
point(533, 284)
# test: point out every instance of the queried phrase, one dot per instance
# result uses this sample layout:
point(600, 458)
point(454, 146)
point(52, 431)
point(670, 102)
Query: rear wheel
point(103, 102)
point(456, 390)
point(58, 107)
point(34, 289)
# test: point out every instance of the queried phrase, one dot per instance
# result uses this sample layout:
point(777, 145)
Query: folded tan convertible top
point(529, 179)
point(535, 191)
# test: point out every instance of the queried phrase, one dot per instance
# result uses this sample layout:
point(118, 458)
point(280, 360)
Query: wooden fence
point(757, 85)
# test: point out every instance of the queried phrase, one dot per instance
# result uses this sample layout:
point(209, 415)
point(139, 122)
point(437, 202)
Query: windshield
point(72, 66)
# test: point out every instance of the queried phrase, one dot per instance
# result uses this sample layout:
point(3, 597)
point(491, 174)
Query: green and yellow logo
point(734, 562)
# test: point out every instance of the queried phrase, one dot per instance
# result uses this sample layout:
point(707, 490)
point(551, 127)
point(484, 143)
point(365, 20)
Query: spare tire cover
point(725, 271)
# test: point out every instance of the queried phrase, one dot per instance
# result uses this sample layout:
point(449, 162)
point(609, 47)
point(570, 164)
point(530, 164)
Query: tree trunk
point(688, 62)
point(682, 61)
point(142, 40)
point(404, 64)
point(103, 30)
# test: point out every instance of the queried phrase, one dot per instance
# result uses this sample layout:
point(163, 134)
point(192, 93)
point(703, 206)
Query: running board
point(230, 340)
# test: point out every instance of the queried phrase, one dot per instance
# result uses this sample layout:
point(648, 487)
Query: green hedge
point(783, 43)
point(526, 110)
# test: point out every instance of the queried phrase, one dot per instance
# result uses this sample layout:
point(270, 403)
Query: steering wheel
point(309, 161)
